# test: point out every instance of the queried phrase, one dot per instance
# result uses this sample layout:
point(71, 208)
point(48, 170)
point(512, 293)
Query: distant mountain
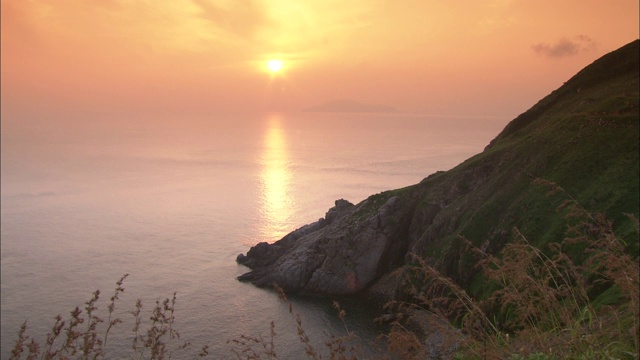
point(347, 105)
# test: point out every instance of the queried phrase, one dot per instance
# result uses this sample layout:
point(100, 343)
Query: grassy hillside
point(540, 231)
point(584, 137)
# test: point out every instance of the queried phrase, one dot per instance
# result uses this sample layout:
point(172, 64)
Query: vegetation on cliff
point(584, 137)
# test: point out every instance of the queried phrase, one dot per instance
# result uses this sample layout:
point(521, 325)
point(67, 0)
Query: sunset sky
point(468, 57)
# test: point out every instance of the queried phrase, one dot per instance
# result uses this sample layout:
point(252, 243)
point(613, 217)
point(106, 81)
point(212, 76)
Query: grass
point(551, 303)
point(84, 335)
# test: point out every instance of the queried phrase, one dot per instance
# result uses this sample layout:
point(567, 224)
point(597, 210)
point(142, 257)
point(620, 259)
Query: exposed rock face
point(334, 255)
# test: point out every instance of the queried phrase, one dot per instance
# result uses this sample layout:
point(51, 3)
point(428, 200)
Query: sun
point(275, 65)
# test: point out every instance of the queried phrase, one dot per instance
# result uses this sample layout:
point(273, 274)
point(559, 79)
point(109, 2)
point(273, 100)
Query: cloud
point(565, 47)
point(242, 18)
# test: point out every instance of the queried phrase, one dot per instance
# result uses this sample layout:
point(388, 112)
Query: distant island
point(351, 106)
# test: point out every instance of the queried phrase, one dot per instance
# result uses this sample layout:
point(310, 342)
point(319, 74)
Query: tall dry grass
point(84, 335)
point(578, 298)
point(345, 347)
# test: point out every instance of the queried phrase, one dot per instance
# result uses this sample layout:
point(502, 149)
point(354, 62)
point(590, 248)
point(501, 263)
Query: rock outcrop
point(343, 253)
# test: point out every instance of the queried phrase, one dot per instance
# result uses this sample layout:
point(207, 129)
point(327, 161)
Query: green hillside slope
point(584, 137)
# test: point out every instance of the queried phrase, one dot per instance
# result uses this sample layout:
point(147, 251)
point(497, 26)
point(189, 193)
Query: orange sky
point(468, 57)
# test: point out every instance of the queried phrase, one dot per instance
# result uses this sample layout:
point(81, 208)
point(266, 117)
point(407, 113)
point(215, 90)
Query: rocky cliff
point(584, 137)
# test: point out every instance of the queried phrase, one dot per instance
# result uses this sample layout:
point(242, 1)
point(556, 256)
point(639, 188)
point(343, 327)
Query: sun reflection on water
point(275, 178)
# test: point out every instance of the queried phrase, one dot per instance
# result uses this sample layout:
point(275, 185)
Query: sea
point(172, 200)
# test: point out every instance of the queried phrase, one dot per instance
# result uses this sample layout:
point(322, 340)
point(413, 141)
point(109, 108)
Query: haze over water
point(173, 207)
point(119, 153)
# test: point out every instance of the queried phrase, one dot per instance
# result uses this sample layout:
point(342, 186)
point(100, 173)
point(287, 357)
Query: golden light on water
point(275, 177)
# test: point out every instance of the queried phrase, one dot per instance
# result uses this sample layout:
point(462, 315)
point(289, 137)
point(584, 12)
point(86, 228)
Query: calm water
point(172, 205)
